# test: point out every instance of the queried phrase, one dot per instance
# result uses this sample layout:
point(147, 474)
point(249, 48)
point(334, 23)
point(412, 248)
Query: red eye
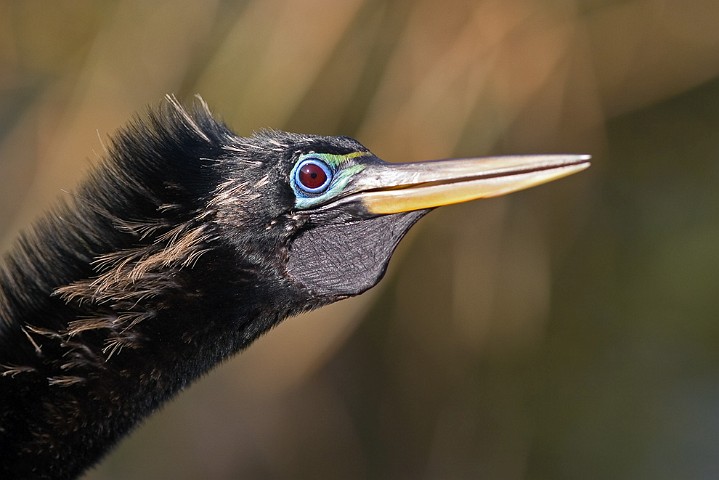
point(313, 176)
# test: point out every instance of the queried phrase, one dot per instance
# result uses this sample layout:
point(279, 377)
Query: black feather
point(172, 256)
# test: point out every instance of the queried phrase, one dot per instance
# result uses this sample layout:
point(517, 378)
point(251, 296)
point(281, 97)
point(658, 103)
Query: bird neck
point(113, 303)
point(87, 352)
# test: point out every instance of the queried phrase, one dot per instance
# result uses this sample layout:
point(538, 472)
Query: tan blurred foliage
point(412, 80)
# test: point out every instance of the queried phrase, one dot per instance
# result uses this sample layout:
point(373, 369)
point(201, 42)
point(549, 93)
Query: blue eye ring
point(312, 175)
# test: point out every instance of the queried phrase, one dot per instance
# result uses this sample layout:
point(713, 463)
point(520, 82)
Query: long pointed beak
point(385, 188)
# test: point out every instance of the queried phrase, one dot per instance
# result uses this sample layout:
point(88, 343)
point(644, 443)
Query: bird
point(184, 245)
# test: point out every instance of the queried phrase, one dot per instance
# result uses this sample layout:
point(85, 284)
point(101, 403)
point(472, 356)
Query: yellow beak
point(385, 188)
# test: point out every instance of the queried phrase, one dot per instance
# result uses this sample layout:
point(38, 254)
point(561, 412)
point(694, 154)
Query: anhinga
point(185, 245)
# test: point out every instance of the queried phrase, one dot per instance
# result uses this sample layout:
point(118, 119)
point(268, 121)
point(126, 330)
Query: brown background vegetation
point(570, 331)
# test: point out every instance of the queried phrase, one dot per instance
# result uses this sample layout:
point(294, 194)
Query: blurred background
point(569, 331)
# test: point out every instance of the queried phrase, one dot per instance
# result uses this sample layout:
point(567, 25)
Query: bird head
point(332, 213)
